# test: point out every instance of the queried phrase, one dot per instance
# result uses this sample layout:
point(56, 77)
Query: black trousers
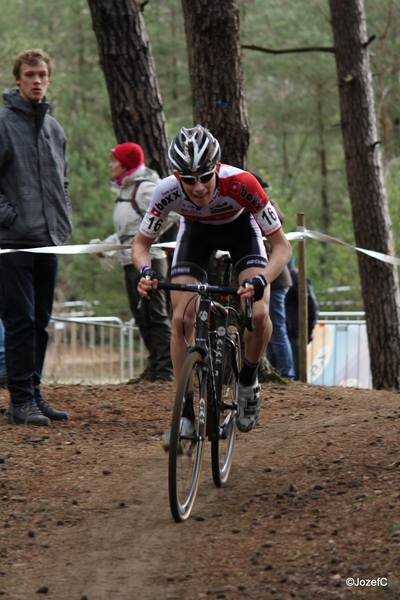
point(28, 281)
point(157, 334)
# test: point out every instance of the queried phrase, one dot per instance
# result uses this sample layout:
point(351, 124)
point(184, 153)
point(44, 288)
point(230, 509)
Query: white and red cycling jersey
point(236, 191)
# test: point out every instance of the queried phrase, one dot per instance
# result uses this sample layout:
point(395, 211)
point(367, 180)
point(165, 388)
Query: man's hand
point(253, 288)
point(146, 281)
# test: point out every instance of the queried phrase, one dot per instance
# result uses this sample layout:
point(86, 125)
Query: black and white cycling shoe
point(249, 406)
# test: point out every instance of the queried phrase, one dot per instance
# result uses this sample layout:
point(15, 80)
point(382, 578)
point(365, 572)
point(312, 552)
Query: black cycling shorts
point(196, 242)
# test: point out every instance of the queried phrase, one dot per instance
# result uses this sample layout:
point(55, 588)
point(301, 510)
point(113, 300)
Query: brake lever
point(249, 315)
point(146, 305)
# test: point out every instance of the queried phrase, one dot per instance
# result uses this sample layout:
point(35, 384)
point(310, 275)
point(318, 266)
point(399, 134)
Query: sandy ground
point(313, 499)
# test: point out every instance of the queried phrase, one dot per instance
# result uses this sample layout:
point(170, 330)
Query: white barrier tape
point(103, 248)
point(322, 237)
point(72, 249)
point(295, 235)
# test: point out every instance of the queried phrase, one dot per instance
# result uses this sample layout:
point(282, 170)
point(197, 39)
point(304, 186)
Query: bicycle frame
point(213, 354)
point(213, 350)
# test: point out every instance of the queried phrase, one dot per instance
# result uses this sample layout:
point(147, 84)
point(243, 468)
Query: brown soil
point(313, 499)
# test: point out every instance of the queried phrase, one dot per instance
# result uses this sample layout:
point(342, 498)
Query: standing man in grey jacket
point(35, 211)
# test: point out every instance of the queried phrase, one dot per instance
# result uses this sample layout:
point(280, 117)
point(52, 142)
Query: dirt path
point(313, 499)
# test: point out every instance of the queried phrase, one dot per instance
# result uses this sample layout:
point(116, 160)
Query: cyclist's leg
point(256, 341)
point(182, 308)
point(243, 239)
point(250, 258)
point(189, 265)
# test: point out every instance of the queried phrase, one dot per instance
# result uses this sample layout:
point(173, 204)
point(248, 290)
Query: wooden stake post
point(303, 313)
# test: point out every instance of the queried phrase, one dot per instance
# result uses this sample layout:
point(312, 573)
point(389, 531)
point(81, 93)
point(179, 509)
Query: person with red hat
point(129, 155)
point(134, 183)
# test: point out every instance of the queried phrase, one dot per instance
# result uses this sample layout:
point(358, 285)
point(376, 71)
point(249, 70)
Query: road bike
point(205, 408)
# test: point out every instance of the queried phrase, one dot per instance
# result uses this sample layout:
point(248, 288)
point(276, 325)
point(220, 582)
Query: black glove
point(259, 283)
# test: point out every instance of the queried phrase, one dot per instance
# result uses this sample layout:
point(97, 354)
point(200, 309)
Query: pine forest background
point(292, 102)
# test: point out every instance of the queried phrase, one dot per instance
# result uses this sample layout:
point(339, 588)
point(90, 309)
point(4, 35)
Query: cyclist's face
point(200, 193)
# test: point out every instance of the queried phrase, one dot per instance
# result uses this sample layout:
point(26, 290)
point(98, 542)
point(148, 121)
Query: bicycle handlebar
point(198, 288)
point(206, 288)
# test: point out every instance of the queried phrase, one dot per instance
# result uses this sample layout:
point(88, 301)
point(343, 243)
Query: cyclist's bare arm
point(280, 256)
point(281, 253)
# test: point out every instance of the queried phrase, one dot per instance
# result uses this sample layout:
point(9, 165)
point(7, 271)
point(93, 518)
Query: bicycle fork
point(224, 350)
point(188, 412)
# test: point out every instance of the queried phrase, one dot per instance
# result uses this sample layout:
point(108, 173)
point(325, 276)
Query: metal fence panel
point(101, 350)
point(93, 350)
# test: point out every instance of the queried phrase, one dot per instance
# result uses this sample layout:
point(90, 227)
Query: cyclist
point(222, 208)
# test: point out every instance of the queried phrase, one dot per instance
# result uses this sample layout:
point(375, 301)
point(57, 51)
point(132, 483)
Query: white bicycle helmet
point(194, 150)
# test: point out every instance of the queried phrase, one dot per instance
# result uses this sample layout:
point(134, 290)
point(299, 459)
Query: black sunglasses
point(191, 179)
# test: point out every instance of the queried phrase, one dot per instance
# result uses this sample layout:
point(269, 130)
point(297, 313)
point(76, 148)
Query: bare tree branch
point(369, 41)
point(290, 50)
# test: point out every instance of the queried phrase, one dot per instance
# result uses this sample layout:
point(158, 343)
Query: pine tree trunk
point(372, 226)
point(212, 33)
point(128, 66)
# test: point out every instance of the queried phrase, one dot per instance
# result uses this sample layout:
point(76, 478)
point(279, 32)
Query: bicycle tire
point(186, 454)
point(222, 447)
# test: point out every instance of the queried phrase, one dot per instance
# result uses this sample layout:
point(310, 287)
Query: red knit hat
point(130, 155)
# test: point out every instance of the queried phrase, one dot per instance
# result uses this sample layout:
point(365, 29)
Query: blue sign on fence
point(339, 355)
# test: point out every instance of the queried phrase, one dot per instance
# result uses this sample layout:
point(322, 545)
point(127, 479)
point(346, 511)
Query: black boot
point(26, 414)
point(50, 412)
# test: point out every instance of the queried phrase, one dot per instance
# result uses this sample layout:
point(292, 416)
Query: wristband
point(143, 267)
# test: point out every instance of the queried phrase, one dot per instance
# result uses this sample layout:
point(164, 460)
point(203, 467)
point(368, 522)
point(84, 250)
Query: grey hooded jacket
point(127, 219)
point(35, 209)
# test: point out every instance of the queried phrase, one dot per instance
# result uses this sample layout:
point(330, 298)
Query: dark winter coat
point(35, 209)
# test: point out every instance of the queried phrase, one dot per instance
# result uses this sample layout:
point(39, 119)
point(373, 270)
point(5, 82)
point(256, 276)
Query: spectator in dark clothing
point(3, 373)
point(292, 314)
point(35, 211)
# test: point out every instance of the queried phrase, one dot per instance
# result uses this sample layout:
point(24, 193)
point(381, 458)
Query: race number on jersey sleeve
point(268, 220)
point(242, 187)
point(166, 195)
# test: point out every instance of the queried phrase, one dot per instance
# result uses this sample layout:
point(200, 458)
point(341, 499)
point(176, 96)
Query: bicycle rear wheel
point(222, 447)
point(187, 449)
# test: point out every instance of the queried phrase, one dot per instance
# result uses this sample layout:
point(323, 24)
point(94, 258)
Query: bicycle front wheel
point(222, 447)
point(188, 431)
